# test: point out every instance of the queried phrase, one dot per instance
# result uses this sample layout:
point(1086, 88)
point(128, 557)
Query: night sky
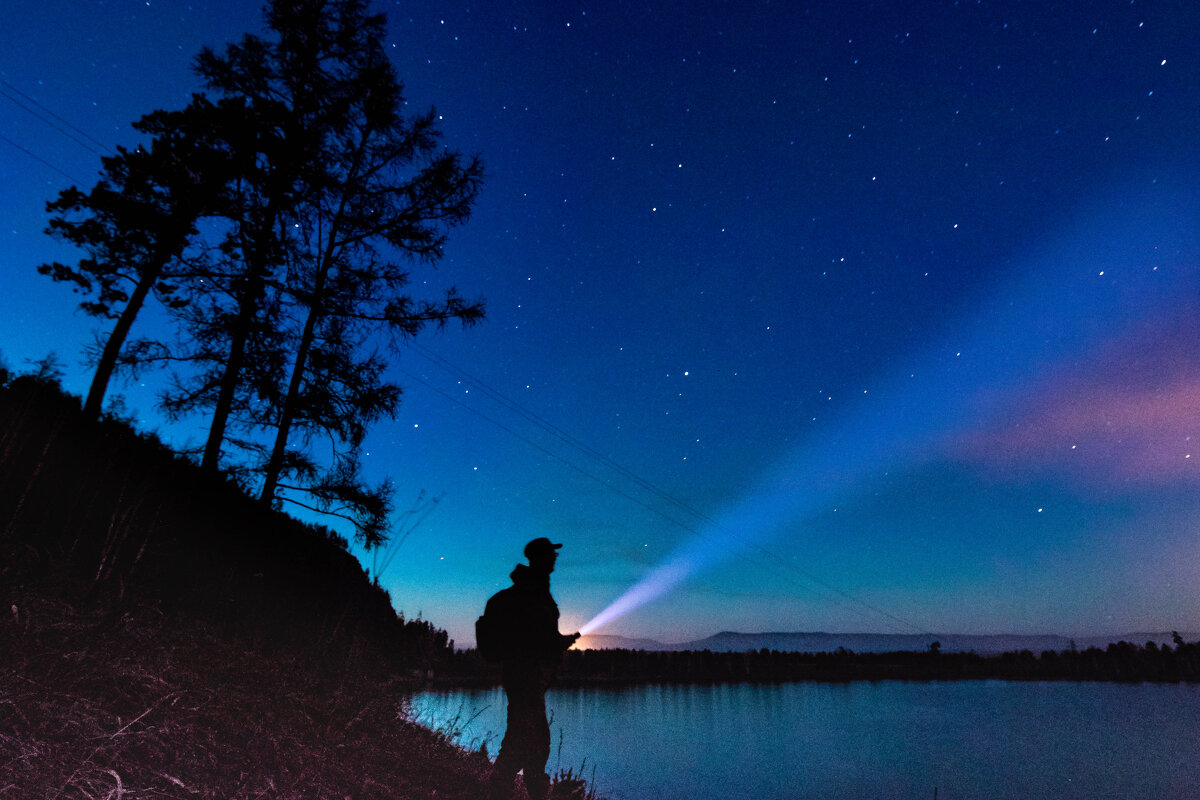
point(848, 317)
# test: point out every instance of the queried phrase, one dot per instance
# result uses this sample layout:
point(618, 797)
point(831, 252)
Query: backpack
point(492, 629)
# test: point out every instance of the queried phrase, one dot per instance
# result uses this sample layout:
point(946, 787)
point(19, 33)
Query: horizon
point(805, 319)
point(994, 635)
point(886, 642)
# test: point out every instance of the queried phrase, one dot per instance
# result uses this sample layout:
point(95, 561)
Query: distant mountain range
point(878, 642)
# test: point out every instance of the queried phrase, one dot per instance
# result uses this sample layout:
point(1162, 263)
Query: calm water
point(970, 739)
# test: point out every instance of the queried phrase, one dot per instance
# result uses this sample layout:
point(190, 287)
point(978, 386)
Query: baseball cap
point(540, 545)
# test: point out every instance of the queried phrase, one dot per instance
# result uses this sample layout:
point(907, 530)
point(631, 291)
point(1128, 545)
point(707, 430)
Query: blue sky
point(875, 317)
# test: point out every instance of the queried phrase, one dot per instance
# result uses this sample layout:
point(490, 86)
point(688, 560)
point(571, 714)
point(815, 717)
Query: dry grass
point(111, 704)
point(273, 674)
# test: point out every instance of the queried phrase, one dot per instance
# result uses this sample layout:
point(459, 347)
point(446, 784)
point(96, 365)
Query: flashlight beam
point(993, 356)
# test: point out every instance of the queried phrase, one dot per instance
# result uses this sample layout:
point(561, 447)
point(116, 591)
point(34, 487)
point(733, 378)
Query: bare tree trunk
point(247, 308)
point(112, 348)
point(288, 413)
point(248, 303)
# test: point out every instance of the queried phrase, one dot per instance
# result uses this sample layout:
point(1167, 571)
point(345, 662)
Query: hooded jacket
point(529, 618)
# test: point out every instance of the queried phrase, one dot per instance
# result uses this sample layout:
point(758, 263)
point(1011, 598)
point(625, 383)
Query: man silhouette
point(532, 648)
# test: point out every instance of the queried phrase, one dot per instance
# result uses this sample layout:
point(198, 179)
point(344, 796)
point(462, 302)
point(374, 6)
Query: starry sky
point(834, 316)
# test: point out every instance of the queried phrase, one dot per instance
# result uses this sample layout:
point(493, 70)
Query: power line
point(60, 124)
point(47, 117)
point(545, 450)
point(558, 432)
point(36, 157)
point(774, 560)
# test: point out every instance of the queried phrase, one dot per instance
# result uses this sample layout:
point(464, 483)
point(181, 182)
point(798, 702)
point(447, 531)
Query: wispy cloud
point(1130, 416)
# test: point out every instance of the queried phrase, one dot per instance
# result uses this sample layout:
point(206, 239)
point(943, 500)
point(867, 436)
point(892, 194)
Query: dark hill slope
point(97, 510)
point(99, 703)
point(163, 635)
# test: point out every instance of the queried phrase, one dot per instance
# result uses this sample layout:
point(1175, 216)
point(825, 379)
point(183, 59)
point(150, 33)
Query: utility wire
point(60, 124)
point(545, 450)
point(774, 560)
point(558, 432)
point(53, 120)
point(36, 157)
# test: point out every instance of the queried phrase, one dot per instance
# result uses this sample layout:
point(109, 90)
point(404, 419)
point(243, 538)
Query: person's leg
point(508, 760)
point(537, 782)
point(537, 785)
point(500, 786)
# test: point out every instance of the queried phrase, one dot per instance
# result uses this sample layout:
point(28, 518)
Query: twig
point(120, 790)
point(173, 780)
point(110, 737)
point(139, 716)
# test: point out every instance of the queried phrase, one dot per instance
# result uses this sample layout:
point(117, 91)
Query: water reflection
point(971, 739)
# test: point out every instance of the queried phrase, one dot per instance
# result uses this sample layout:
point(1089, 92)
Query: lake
point(985, 740)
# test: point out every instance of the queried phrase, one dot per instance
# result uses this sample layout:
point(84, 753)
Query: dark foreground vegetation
point(163, 635)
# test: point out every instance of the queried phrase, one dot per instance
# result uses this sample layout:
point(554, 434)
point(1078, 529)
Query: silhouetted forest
point(1121, 661)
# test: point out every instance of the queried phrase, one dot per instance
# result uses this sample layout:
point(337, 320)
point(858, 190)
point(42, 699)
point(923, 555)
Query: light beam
point(1103, 278)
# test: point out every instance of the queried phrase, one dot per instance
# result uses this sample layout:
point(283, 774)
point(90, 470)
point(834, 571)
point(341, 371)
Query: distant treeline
point(1122, 661)
point(99, 514)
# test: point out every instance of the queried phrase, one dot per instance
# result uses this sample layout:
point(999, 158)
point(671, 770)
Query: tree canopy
point(278, 218)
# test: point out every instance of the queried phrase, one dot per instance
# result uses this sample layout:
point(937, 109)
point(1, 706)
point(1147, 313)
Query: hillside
point(163, 635)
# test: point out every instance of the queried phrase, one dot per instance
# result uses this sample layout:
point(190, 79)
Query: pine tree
point(318, 195)
point(349, 194)
point(135, 226)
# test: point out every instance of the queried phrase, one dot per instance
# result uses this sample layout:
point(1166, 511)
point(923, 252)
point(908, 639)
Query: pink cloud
point(1130, 416)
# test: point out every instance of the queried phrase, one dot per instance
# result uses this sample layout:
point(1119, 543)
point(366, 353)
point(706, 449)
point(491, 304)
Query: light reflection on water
point(971, 740)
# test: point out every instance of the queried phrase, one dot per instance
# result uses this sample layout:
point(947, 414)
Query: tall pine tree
point(278, 216)
point(347, 196)
point(136, 224)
